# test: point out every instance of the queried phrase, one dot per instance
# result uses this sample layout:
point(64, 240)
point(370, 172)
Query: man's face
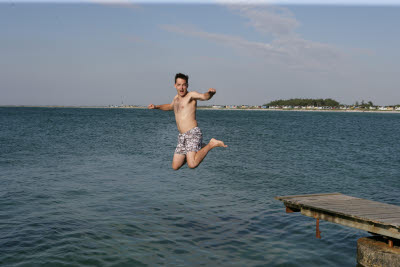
point(181, 87)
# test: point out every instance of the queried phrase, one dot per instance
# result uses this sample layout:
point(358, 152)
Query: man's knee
point(192, 165)
point(176, 167)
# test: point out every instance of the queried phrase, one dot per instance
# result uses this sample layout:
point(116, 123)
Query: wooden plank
point(362, 204)
point(354, 204)
point(326, 200)
point(361, 210)
point(377, 216)
point(368, 215)
point(392, 222)
point(364, 214)
point(351, 202)
point(358, 203)
point(363, 225)
point(380, 216)
point(354, 208)
point(294, 196)
point(330, 201)
point(351, 206)
point(377, 212)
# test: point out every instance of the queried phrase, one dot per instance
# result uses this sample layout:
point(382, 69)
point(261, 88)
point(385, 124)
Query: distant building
point(230, 106)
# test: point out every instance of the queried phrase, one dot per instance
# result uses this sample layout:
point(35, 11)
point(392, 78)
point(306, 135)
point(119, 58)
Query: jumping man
point(190, 139)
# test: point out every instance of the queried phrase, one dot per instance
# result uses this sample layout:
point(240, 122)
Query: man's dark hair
point(182, 76)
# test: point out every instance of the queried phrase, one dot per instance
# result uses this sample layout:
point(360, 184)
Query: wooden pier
point(372, 216)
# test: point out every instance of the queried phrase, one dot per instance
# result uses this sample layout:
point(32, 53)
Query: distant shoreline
point(308, 110)
point(210, 108)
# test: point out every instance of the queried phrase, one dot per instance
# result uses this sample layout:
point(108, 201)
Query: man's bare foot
point(215, 143)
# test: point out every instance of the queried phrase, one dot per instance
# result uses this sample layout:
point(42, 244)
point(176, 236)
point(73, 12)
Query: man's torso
point(185, 113)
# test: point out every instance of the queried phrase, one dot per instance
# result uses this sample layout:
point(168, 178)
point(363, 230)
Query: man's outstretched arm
point(166, 107)
point(206, 96)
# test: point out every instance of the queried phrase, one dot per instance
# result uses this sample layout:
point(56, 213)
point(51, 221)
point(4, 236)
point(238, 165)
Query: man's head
point(181, 84)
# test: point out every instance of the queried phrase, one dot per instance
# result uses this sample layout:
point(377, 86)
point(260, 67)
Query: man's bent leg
point(178, 161)
point(195, 158)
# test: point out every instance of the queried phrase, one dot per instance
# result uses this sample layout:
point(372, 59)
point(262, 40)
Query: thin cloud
point(267, 19)
point(291, 51)
point(287, 48)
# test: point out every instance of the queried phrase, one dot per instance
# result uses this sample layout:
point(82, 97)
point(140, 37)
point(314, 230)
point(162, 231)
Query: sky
point(103, 52)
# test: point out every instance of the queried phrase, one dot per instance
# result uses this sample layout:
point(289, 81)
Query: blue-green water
point(95, 187)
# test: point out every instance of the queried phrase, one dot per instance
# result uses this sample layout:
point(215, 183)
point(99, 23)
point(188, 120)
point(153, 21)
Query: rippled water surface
point(95, 186)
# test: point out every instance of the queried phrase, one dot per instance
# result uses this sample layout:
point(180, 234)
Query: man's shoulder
point(193, 93)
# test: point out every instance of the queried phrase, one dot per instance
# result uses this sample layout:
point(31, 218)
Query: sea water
point(95, 187)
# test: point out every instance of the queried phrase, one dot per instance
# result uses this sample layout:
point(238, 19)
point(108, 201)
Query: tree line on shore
point(304, 102)
point(328, 102)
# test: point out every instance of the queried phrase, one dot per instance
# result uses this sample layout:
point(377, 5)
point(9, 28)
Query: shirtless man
point(190, 139)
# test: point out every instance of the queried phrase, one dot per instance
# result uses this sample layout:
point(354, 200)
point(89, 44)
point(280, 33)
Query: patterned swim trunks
point(192, 140)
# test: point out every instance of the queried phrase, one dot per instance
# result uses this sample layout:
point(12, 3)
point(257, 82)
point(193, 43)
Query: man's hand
point(165, 107)
point(212, 91)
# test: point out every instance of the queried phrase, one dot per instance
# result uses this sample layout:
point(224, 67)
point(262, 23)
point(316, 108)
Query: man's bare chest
point(184, 106)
